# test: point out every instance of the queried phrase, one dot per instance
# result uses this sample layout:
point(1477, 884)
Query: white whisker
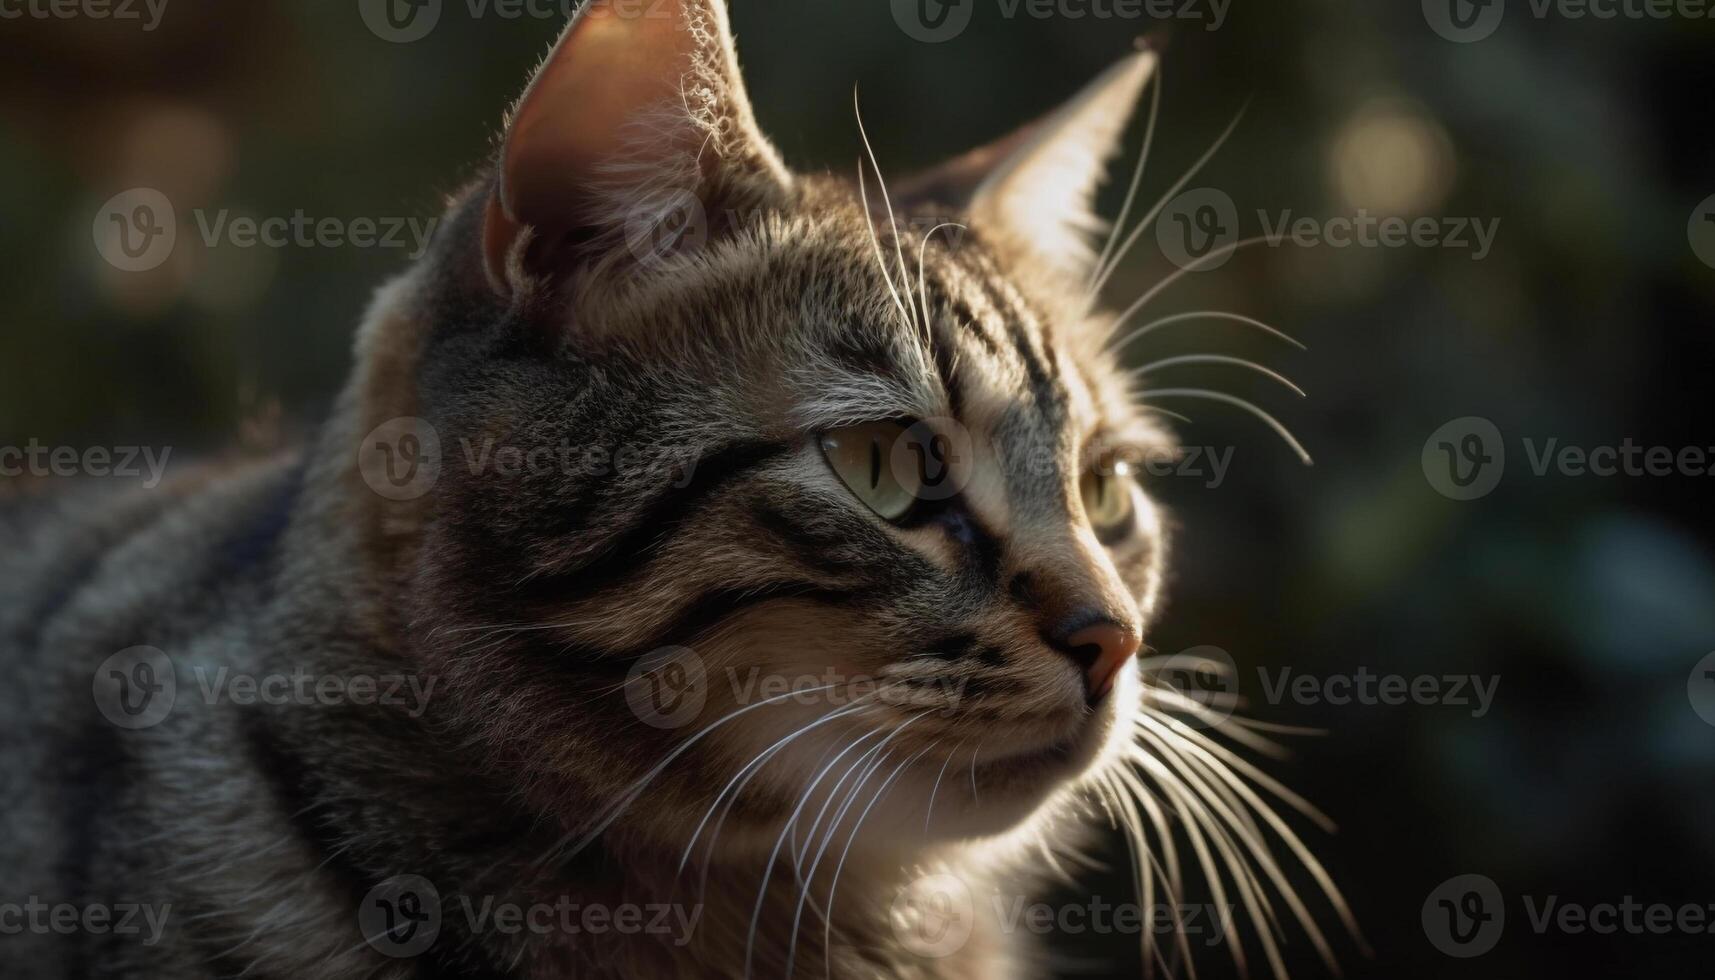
point(1169, 362)
point(1168, 321)
point(1149, 219)
point(1273, 423)
point(1136, 183)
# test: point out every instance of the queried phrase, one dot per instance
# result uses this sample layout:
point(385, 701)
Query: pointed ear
point(638, 118)
point(1037, 187)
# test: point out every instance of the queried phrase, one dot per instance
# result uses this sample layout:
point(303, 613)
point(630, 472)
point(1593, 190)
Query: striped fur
point(527, 599)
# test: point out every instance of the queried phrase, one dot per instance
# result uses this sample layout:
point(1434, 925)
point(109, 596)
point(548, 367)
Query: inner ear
point(638, 118)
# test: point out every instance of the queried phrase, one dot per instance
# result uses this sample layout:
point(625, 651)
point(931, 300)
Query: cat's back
point(89, 570)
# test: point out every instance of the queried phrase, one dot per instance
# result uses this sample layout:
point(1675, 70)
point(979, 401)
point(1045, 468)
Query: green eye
point(862, 457)
point(1107, 499)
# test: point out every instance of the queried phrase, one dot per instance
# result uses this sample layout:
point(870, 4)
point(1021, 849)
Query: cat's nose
point(1100, 646)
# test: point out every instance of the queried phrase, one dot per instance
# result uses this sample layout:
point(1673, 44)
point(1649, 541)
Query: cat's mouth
point(1011, 772)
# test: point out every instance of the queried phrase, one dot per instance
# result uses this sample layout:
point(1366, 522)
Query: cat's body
point(246, 835)
point(499, 775)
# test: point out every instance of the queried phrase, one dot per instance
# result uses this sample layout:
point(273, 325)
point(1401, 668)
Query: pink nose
point(1103, 648)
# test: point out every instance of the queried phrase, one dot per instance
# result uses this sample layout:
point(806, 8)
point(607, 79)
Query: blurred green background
point(1589, 321)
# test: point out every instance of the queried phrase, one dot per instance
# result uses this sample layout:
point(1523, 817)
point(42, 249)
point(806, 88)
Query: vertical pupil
point(874, 462)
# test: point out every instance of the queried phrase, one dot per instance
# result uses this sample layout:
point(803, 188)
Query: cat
point(707, 570)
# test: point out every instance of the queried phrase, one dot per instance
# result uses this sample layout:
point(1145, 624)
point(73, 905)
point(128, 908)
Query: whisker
point(636, 788)
point(798, 914)
point(1287, 836)
point(922, 278)
point(887, 201)
point(1154, 212)
point(834, 885)
point(1168, 321)
point(1169, 362)
point(1273, 423)
point(755, 766)
point(774, 855)
point(880, 259)
point(929, 811)
point(1136, 184)
point(1168, 280)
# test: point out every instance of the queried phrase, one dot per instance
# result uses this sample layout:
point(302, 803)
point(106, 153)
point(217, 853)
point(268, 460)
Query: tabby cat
point(708, 570)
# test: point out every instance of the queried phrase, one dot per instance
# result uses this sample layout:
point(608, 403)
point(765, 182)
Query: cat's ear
point(637, 116)
point(1037, 187)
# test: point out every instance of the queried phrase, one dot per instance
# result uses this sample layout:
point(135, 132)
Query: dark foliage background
point(1591, 141)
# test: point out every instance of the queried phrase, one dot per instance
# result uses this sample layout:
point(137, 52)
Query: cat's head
point(712, 432)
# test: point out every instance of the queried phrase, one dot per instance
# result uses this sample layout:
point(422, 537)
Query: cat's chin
point(1009, 782)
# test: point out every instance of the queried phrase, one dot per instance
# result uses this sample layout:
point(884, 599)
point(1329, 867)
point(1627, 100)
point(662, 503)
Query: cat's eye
point(1106, 491)
point(862, 456)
